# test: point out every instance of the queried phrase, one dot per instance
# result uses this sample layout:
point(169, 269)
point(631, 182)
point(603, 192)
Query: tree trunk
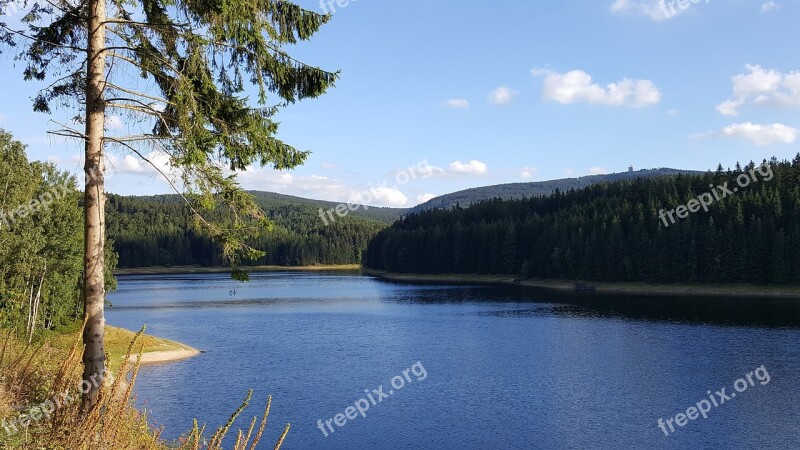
point(94, 207)
point(30, 305)
point(35, 306)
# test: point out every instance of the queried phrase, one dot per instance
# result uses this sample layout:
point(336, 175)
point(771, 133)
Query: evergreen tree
point(199, 57)
point(613, 232)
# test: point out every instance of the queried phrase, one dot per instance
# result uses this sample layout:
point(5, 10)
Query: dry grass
point(39, 376)
point(5, 402)
point(117, 341)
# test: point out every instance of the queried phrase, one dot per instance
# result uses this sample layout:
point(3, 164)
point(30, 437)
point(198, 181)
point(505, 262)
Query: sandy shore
point(166, 356)
point(637, 289)
point(158, 357)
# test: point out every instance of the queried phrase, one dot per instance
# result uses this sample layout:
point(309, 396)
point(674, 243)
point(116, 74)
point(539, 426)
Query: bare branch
point(144, 109)
point(136, 63)
point(138, 138)
point(138, 94)
point(134, 108)
point(68, 133)
point(146, 24)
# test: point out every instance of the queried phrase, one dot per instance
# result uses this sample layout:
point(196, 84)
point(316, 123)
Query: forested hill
point(268, 200)
point(157, 231)
point(513, 191)
point(614, 232)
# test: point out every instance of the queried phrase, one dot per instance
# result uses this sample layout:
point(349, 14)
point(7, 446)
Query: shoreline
point(182, 352)
point(179, 270)
point(154, 349)
point(611, 288)
point(165, 356)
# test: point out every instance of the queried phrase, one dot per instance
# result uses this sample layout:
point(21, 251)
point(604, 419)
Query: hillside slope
point(618, 231)
point(514, 191)
point(158, 231)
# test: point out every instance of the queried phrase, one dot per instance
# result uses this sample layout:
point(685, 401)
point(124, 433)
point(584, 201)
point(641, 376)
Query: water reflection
point(723, 311)
point(509, 367)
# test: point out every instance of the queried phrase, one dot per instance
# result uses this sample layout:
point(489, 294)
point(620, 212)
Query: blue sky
point(512, 91)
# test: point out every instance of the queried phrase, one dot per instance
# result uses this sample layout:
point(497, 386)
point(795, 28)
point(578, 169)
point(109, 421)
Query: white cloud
point(311, 186)
point(427, 171)
point(424, 169)
point(14, 8)
point(762, 134)
point(328, 166)
point(286, 179)
point(762, 87)
point(569, 172)
point(577, 86)
point(528, 172)
point(418, 171)
point(132, 164)
point(473, 167)
point(502, 96)
point(597, 170)
point(654, 9)
point(729, 108)
point(113, 123)
point(459, 103)
point(380, 196)
point(769, 6)
point(129, 164)
point(321, 188)
point(425, 197)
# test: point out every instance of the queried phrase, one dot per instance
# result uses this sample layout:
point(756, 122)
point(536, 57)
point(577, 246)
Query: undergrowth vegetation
point(40, 405)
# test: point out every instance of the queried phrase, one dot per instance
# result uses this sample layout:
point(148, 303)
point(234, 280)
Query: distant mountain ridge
point(379, 213)
point(513, 191)
point(156, 230)
point(272, 200)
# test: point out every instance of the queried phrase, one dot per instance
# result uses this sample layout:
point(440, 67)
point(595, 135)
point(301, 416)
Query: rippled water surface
point(503, 367)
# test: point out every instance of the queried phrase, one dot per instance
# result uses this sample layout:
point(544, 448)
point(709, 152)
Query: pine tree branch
point(274, 48)
point(66, 11)
point(211, 227)
point(65, 77)
point(22, 34)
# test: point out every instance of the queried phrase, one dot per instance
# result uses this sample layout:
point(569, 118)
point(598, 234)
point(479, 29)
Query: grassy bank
point(618, 288)
point(198, 269)
point(40, 398)
point(117, 341)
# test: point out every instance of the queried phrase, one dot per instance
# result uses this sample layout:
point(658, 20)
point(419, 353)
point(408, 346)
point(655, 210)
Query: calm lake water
point(503, 367)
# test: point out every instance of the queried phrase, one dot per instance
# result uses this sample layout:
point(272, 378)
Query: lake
point(469, 367)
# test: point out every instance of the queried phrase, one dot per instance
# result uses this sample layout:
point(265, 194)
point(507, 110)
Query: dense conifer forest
point(613, 232)
point(516, 191)
point(159, 231)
